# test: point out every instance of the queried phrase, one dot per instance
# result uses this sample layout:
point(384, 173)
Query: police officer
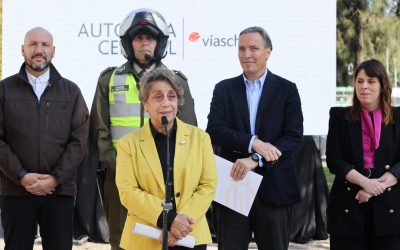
point(116, 109)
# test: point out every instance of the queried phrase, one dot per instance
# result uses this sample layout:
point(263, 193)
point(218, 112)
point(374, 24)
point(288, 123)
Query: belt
point(367, 172)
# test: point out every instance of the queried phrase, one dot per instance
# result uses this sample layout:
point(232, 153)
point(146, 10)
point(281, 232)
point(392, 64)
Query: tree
point(366, 29)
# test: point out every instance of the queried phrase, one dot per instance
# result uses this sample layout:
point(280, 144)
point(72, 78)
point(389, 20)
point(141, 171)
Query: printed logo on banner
point(194, 36)
point(106, 35)
point(108, 40)
point(213, 40)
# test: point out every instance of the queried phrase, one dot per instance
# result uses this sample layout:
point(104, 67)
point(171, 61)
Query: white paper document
point(154, 233)
point(237, 195)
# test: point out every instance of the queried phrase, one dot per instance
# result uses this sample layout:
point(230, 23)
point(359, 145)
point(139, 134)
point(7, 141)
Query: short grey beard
point(40, 67)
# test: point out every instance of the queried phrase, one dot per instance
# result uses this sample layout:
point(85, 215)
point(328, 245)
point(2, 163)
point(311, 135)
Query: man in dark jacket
point(43, 136)
point(116, 108)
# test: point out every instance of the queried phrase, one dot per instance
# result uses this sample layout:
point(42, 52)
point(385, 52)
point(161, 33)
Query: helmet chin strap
point(150, 60)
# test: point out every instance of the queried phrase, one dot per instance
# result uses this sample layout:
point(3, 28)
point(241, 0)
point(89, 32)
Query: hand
point(388, 179)
point(181, 226)
point(172, 240)
point(363, 196)
point(29, 179)
point(267, 150)
point(241, 167)
point(373, 186)
point(44, 186)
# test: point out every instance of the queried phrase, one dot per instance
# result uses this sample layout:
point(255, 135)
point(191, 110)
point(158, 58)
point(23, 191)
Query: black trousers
point(20, 216)
point(270, 225)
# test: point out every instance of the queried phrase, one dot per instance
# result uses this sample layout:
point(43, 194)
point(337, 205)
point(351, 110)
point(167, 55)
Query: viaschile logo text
point(212, 40)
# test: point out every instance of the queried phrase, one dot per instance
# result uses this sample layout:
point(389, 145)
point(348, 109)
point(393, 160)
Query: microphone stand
point(167, 204)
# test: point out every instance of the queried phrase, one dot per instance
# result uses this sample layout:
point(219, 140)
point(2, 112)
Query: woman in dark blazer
point(363, 151)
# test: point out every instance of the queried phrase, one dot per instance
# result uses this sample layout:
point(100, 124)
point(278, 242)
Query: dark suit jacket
point(343, 153)
point(279, 121)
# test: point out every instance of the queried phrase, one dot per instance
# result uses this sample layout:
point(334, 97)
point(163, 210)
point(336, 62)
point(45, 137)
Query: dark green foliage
point(367, 29)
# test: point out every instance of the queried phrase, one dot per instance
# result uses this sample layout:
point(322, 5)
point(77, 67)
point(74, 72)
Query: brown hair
point(161, 74)
point(374, 68)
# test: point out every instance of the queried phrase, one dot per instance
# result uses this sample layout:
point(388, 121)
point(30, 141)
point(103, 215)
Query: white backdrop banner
point(203, 43)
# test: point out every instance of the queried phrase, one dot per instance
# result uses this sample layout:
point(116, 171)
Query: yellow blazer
point(141, 185)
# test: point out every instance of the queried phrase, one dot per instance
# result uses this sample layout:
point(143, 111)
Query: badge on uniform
point(120, 69)
point(119, 88)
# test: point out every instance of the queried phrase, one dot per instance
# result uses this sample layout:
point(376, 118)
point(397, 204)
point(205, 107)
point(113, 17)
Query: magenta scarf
point(371, 134)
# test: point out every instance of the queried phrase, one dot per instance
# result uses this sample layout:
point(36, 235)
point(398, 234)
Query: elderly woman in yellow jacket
point(142, 169)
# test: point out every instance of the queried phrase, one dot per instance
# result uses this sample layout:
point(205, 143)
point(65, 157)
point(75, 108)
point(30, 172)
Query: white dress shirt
point(40, 83)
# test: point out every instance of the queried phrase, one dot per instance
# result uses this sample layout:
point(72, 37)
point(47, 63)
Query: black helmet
point(139, 20)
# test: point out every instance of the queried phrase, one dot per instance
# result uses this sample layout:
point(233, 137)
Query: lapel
point(380, 153)
point(241, 100)
point(182, 145)
point(356, 142)
point(149, 152)
point(269, 89)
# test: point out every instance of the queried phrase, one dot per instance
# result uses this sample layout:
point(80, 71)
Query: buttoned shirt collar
point(39, 83)
point(258, 84)
point(138, 70)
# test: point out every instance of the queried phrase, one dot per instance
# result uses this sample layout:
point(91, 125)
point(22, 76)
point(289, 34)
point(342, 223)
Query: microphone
point(150, 59)
point(167, 204)
point(164, 120)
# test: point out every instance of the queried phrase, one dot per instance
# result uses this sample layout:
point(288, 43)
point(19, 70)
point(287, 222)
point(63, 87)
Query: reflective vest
point(125, 106)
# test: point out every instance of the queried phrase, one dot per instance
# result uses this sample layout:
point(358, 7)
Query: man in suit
point(256, 122)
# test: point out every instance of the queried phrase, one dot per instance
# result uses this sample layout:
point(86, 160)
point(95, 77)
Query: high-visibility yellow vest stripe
point(125, 106)
point(125, 109)
point(126, 121)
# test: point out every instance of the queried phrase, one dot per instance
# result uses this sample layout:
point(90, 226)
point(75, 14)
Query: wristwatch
point(256, 157)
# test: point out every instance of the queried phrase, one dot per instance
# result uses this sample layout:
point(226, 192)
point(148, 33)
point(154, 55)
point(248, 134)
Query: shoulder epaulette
point(107, 70)
point(179, 73)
